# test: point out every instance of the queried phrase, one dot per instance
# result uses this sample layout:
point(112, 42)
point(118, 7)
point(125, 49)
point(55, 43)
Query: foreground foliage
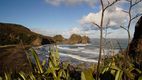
point(114, 68)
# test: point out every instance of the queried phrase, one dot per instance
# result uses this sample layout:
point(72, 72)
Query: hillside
point(15, 34)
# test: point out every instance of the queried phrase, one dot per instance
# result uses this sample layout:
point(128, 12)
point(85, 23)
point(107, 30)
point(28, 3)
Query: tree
point(131, 18)
point(100, 26)
point(105, 23)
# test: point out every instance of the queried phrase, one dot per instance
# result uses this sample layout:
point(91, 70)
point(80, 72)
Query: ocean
point(84, 53)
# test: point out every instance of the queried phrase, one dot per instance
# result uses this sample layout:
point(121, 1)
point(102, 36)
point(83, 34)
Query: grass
point(111, 69)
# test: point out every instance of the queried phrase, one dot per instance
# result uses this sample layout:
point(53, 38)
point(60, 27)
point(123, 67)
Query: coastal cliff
point(14, 34)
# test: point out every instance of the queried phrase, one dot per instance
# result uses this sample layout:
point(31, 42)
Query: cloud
point(71, 2)
point(113, 17)
point(54, 2)
point(75, 30)
point(137, 9)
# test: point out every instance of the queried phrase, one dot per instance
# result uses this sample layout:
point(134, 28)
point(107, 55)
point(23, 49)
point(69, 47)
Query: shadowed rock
point(135, 50)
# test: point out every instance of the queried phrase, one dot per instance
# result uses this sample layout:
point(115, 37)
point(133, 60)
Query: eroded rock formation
point(77, 39)
point(58, 38)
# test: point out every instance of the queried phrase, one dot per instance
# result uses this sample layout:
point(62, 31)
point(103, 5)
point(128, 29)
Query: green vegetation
point(111, 69)
point(14, 34)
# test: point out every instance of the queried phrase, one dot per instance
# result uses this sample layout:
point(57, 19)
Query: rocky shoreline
point(15, 39)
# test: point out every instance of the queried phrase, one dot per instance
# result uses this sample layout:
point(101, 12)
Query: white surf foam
point(68, 49)
point(79, 58)
point(96, 51)
point(90, 51)
point(81, 45)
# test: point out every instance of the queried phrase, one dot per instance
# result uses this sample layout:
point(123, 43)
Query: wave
point(70, 49)
point(79, 58)
point(82, 45)
point(90, 51)
point(96, 51)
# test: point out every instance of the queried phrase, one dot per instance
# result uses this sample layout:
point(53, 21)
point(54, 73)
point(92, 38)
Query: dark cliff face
point(135, 49)
point(47, 40)
point(15, 34)
point(138, 29)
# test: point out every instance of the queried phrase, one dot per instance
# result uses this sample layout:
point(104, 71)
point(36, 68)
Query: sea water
point(89, 53)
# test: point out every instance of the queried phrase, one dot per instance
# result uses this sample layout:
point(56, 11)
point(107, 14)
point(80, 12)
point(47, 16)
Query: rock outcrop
point(135, 49)
point(85, 40)
point(77, 39)
point(14, 34)
point(58, 38)
point(37, 41)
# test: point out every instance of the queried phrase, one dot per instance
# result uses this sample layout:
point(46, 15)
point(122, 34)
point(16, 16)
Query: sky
point(52, 17)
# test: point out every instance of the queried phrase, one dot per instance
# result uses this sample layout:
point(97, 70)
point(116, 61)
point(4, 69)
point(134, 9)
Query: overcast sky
point(51, 17)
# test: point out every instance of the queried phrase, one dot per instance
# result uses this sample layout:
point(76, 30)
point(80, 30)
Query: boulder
point(135, 49)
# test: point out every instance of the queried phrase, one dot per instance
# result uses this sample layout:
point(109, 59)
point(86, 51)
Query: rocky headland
point(15, 34)
point(14, 40)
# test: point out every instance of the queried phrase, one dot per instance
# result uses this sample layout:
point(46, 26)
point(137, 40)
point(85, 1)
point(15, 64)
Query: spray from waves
point(79, 58)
